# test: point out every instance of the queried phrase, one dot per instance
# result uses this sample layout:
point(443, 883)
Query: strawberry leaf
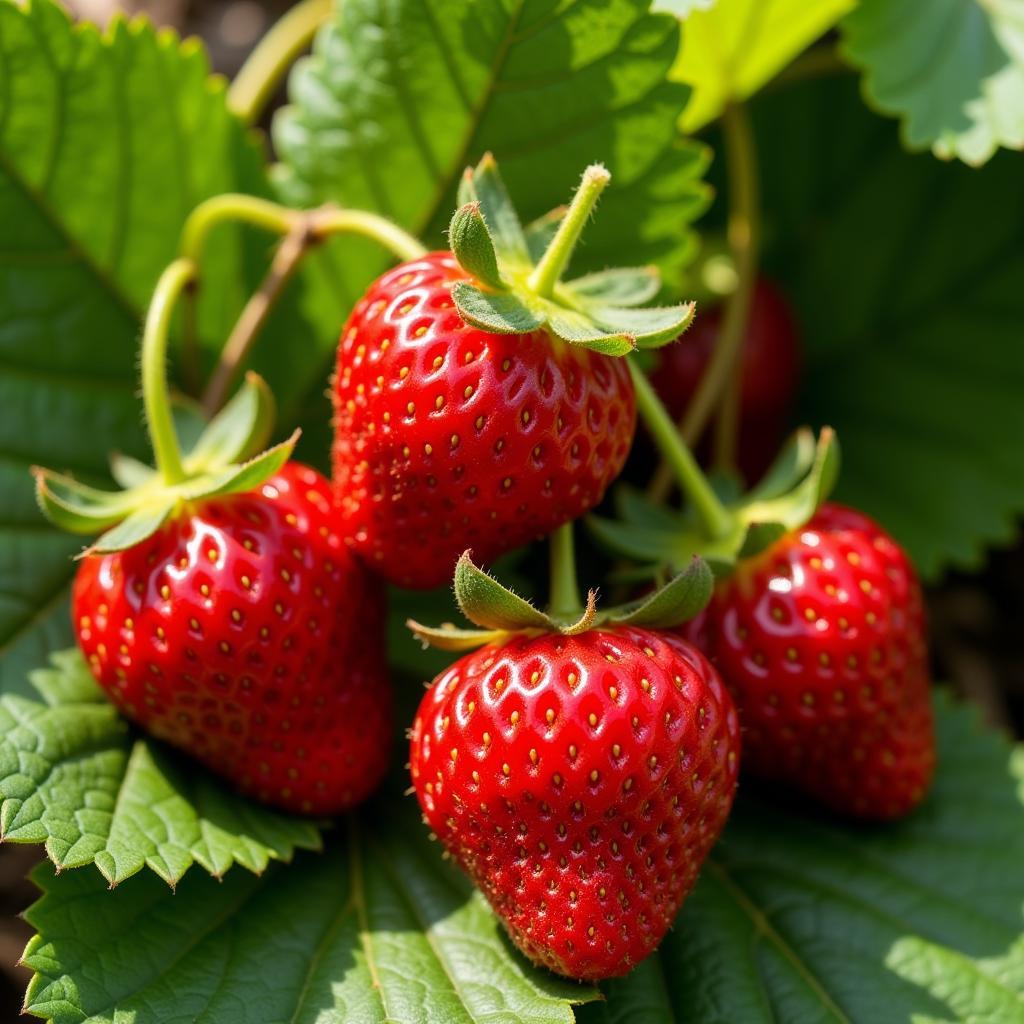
point(76, 778)
point(471, 242)
point(489, 604)
point(106, 143)
point(376, 929)
point(135, 528)
point(628, 286)
point(733, 47)
point(239, 431)
point(800, 918)
point(500, 312)
point(673, 604)
point(952, 72)
point(912, 343)
point(795, 917)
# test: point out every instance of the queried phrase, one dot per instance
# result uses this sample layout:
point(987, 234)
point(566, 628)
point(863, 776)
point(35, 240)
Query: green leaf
point(733, 47)
point(542, 230)
point(952, 71)
point(377, 929)
point(471, 242)
point(401, 95)
point(632, 286)
point(488, 604)
point(74, 777)
point(905, 274)
point(488, 189)
point(800, 918)
point(106, 143)
point(237, 479)
point(75, 506)
point(650, 328)
point(135, 528)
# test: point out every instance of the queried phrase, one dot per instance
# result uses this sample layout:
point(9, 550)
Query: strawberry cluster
point(579, 764)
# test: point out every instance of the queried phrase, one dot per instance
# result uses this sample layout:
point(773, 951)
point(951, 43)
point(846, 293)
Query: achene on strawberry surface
point(821, 640)
point(244, 632)
point(580, 781)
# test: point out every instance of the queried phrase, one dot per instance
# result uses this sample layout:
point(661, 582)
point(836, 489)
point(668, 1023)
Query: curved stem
point(159, 421)
point(713, 514)
point(232, 206)
point(744, 236)
point(546, 274)
point(275, 53)
point(564, 596)
point(305, 230)
point(327, 221)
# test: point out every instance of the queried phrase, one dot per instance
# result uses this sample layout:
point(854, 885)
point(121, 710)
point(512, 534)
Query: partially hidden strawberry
point(821, 640)
point(220, 608)
point(579, 778)
point(769, 373)
point(480, 401)
point(245, 633)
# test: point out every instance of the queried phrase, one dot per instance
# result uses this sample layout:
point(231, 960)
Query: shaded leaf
point(75, 777)
point(632, 286)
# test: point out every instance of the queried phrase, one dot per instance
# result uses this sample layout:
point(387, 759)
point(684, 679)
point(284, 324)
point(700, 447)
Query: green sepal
point(240, 430)
point(75, 506)
point(498, 312)
point(790, 466)
point(244, 477)
point(486, 603)
point(681, 599)
point(516, 287)
point(626, 286)
point(539, 232)
point(484, 185)
point(139, 526)
point(448, 637)
point(129, 473)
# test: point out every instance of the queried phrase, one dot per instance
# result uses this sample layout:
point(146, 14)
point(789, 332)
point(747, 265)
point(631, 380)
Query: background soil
point(975, 619)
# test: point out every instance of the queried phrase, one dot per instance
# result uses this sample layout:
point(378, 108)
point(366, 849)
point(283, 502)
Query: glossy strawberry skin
point(448, 437)
point(246, 634)
point(770, 373)
point(580, 782)
point(822, 641)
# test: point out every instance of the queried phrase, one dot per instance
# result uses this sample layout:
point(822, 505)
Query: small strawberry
point(477, 399)
point(579, 776)
point(221, 610)
point(769, 373)
point(821, 640)
point(245, 633)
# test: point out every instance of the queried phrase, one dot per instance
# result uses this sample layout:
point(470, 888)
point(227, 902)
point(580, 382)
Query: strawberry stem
point(714, 516)
point(159, 421)
point(564, 596)
point(547, 273)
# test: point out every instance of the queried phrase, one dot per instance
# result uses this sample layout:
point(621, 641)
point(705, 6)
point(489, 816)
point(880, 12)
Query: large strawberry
point(816, 626)
point(579, 776)
point(480, 401)
point(221, 610)
point(769, 370)
point(821, 639)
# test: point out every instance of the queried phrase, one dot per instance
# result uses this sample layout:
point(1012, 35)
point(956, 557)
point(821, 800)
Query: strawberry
point(769, 373)
point(579, 778)
point(821, 640)
point(219, 607)
point(245, 633)
point(477, 399)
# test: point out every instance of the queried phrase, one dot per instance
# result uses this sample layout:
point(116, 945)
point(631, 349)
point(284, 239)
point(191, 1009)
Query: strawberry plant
point(549, 285)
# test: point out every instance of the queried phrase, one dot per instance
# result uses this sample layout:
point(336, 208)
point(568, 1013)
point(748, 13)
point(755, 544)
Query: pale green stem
point(547, 273)
point(159, 420)
point(713, 514)
point(269, 62)
point(327, 221)
point(564, 596)
point(235, 207)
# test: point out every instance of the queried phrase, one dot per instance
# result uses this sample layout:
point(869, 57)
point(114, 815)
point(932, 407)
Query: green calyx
point(226, 458)
point(517, 272)
point(794, 488)
point(498, 614)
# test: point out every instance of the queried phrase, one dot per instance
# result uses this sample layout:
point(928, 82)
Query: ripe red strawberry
point(244, 632)
point(820, 638)
point(769, 374)
point(450, 437)
point(580, 781)
point(478, 399)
